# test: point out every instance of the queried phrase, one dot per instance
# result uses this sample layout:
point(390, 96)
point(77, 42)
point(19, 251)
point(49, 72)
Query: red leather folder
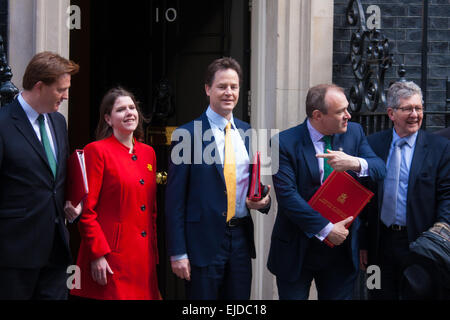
point(254, 192)
point(340, 197)
point(77, 183)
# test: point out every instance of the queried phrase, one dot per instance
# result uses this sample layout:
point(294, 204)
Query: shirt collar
point(29, 111)
point(410, 140)
point(217, 120)
point(315, 135)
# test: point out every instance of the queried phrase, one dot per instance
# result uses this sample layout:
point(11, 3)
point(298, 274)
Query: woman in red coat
point(118, 252)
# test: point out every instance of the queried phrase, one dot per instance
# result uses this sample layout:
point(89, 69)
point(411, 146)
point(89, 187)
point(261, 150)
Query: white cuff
point(364, 168)
point(179, 257)
point(324, 232)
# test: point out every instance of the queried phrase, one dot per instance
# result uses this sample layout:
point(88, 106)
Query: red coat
point(119, 221)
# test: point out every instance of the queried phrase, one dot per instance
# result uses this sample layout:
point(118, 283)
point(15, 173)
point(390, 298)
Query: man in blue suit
point(34, 251)
point(306, 154)
point(415, 193)
point(207, 249)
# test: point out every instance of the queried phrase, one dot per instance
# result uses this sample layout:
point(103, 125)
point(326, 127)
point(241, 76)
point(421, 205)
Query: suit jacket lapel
point(211, 144)
point(25, 128)
point(385, 145)
point(420, 153)
point(309, 153)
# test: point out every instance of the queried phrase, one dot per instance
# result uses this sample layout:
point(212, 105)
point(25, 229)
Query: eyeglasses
point(410, 109)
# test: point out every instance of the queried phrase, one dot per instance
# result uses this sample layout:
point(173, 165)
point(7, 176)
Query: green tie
point(46, 143)
point(327, 169)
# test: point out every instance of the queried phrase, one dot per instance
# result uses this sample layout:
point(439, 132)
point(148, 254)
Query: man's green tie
point(46, 143)
point(327, 169)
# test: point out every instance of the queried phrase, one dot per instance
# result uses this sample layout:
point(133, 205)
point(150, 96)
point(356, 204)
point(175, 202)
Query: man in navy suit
point(297, 254)
point(422, 185)
point(213, 255)
point(34, 251)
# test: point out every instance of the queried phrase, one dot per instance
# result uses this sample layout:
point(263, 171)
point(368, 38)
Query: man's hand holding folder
point(72, 212)
point(258, 194)
point(339, 232)
point(76, 185)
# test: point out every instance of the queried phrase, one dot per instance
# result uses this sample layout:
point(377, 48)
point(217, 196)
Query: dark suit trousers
point(229, 277)
point(331, 269)
point(395, 256)
point(46, 283)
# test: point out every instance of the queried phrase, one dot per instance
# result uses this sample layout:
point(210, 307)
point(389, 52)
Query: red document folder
point(254, 192)
point(76, 184)
point(339, 197)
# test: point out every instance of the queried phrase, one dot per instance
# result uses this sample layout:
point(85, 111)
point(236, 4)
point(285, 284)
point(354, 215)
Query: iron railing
point(370, 59)
point(7, 89)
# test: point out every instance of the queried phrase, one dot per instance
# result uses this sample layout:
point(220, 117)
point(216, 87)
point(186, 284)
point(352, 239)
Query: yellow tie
point(229, 172)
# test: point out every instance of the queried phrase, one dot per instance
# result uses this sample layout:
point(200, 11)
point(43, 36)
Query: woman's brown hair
point(103, 129)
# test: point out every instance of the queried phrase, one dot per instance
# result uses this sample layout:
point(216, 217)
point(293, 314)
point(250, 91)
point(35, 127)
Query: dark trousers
point(331, 269)
point(395, 256)
point(229, 277)
point(46, 283)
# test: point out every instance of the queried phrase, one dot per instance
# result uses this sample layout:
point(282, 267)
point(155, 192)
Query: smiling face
point(224, 92)
point(124, 117)
point(51, 96)
point(337, 116)
point(407, 123)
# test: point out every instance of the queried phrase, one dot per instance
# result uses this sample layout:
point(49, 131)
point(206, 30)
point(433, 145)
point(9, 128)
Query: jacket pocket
point(116, 237)
point(12, 213)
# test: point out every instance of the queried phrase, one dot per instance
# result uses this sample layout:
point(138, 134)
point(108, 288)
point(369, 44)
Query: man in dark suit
point(34, 247)
point(444, 132)
point(307, 153)
point(209, 227)
point(415, 193)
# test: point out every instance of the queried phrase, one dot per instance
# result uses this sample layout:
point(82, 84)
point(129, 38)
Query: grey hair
point(402, 90)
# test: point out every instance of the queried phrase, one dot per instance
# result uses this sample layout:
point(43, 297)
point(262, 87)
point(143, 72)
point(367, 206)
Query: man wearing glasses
point(414, 195)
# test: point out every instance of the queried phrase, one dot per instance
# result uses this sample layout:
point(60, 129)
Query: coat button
point(224, 214)
point(143, 207)
point(142, 181)
point(143, 234)
point(134, 157)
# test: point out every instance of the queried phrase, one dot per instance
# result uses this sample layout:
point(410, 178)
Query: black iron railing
point(7, 89)
point(370, 58)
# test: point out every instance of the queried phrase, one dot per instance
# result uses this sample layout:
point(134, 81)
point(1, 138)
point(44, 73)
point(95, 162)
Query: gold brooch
point(149, 167)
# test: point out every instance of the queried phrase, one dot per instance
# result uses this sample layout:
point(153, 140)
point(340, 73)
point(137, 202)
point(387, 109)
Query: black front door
point(159, 50)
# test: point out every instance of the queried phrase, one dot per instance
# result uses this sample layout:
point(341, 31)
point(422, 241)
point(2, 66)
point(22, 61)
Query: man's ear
point(317, 115)
point(38, 86)
point(207, 90)
point(390, 112)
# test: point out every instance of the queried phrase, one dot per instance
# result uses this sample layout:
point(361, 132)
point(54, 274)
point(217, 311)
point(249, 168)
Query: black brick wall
point(401, 23)
point(4, 21)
